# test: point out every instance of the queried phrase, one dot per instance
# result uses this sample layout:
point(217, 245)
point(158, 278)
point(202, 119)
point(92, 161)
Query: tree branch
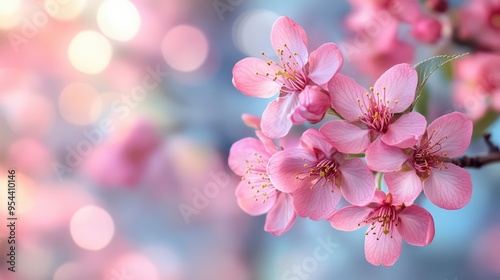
point(481, 160)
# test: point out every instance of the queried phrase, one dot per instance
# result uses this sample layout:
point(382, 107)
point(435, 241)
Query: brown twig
point(479, 161)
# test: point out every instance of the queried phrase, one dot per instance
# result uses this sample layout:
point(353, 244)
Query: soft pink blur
point(477, 87)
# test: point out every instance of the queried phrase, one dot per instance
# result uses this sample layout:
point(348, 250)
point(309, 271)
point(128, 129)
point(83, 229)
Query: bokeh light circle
point(28, 113)
point(118, 19)
point(10, 13)
point(252, 30)
point(71, 270)
point(133, 266)
point(92, 228)
point(64, 10)
point(185, 48)
point(90, 52)
point(80, 104)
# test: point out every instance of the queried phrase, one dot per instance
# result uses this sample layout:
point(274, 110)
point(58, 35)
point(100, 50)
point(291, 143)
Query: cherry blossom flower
point(427, 30)
point(388, 224)
point(427, 165)
point(479, 22)
point(372, 116)
point(376, 15)
point(256, 194)
point(316, 174)
point(477, 87)
point(374, 55)
point(299, 78)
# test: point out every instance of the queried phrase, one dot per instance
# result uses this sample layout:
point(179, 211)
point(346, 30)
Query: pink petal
point(383, 158)
point(313, 104)
point(400, 83)
point(411, 11)
point(347, 138)
point(246, 201)
point(268, 143)
point(313, 140)
point(282, 216)
point(243, 151)
point(449, 188)
point(416, 226)
point(358, 183)
point(251, 121)
point(379, 197)
point(455, 132)
point(287, 32)
point(404, 186)
point(317, 202)
point(406, 131)
point(246, 79)
point(345, 92)
point(324, 63)
point(276, 120)
point(385, 250)
point(284, 166)
point(349, 218)
point(291, 142)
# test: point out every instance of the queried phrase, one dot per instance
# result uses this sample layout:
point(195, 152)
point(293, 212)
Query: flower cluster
point(308, 178)
point(375, 31)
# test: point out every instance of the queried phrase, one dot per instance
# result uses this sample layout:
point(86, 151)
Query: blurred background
point(118, 116)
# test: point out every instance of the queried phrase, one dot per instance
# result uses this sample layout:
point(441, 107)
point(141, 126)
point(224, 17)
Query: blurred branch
point(479, 161)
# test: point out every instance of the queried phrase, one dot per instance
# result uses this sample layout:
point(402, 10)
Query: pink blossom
point(296, 73)
point(402, 11)
point(316, 174)
point(388, 224)
point(478, 84)
point(125, 160)
point(256, 194)
point(374, 55)
point(372, 116)
point(372, 15)
point(427, 30)
point(427, 165)
point(479, 22)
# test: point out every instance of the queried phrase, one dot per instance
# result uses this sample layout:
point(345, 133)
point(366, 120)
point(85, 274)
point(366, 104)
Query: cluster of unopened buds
point(308, 178)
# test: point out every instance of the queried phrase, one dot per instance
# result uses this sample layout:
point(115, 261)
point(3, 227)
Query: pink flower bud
point(427, 30)
point(313, 104)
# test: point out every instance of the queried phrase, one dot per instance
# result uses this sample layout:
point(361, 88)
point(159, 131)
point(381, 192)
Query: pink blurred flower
point(388, 224)
point(427, 30)
point(375, 55)
point(371, 117)
point(256, 194)
point(316, 174)
point(296, 73)
point(372, 15)
point(428, 164)
point(251, 121)
point(124, 162)
point(479, 23)
point(478, 83)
